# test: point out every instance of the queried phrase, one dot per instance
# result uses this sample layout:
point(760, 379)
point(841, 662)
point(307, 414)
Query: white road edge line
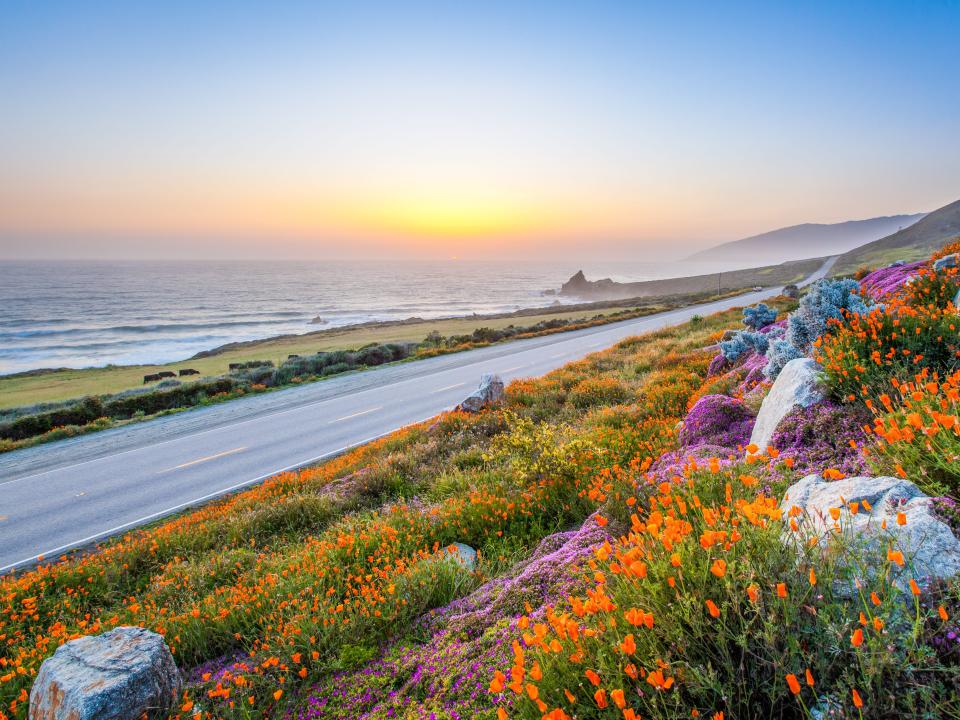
point(202, 460)
point(448, 387)
point(209, 496)
point(276, 413)
point(356, 414)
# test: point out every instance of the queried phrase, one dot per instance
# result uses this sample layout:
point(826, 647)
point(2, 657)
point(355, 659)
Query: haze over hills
point(808, 240)
point(911, 243)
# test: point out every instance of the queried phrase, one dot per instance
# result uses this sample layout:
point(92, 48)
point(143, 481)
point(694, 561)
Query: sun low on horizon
point(327, 130)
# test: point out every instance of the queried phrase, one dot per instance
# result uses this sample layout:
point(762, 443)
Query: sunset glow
point(317, 129)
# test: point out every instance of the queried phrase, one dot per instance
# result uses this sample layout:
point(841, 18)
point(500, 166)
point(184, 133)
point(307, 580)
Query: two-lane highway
point(69, 494)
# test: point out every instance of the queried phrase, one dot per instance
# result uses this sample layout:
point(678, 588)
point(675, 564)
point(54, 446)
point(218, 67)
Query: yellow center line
point(518, 367)
point(356, 414)
point(448, 387)
point(203, 459)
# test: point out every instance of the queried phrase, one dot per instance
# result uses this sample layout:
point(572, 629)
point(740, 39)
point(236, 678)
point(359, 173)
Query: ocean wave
point(85, 314)
point(144, 329)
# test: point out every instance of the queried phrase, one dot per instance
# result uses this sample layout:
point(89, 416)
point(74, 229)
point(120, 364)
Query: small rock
point(463, 554)
point(797, 384)
point(125, 674)
point(827, 707)
point(489, 393)
point(928, 544)
point(947, 261)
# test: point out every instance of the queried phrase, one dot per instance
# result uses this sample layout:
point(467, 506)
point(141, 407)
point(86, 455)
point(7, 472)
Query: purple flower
point(819, 437)
point(883, 282)
point(716, 365)
point(717, 420)
point(442, 667)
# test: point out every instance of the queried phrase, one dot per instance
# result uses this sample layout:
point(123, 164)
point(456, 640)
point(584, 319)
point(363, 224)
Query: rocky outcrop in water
point(580, 286)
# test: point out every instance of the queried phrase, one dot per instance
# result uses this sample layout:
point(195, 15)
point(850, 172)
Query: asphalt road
point(71, 493)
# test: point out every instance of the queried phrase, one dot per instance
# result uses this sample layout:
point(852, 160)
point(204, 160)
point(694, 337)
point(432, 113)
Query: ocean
point(84, 314)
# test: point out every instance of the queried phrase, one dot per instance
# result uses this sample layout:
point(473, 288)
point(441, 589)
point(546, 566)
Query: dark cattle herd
point(154, 377)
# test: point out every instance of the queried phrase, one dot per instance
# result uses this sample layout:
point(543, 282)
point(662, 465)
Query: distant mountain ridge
point(807, 240)
point(912, 243)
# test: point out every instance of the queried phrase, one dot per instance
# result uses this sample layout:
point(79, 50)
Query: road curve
point(68, 494)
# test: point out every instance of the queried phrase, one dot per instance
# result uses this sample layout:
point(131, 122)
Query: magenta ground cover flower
point(441, 669)
point(820, 436)
point(883, 282)
point(717, 420)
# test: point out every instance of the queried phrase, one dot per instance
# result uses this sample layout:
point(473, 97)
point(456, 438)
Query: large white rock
point(125, 674)
point(797, 384)
point(929, 546)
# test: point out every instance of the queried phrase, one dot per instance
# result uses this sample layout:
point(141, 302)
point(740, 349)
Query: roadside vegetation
point(633, 558)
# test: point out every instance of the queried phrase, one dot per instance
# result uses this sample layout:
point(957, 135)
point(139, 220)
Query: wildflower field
point(634, 560)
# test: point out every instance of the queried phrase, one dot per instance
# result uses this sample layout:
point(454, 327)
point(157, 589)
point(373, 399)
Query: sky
point(514, 130)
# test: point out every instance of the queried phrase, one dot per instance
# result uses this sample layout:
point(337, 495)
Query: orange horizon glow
point(429, 130)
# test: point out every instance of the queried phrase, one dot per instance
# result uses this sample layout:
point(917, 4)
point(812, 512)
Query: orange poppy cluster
point(915, 329)
point(701, 525)
point(917, 430)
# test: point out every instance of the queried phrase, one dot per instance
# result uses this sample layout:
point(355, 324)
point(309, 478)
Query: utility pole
point(719, 275)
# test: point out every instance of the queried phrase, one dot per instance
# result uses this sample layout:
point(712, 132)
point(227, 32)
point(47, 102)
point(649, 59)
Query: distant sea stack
point(581, 287)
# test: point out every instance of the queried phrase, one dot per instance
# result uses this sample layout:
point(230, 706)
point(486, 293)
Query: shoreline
point(591, 295)
point(555, 308)
point(50, 386)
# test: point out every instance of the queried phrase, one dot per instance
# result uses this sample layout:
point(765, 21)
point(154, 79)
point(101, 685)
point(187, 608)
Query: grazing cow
point(291, 357)
point(166, 374)
point(189, 371)
point(150, 378)
point(234, 366)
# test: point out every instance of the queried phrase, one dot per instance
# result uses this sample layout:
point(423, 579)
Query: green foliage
point(534, 450)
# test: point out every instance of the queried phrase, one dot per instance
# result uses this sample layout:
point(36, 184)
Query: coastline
point(56, 385)
point(51, 385)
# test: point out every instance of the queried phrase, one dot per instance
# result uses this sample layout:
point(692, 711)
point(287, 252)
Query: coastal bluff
point(607, 289)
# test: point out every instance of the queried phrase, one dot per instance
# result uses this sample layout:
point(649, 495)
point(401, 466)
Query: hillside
point(606, 289)
point(912, 243)
point(807, 240)
point(638, 551)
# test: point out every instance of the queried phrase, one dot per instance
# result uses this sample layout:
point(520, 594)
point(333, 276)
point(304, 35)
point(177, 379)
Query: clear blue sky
point(466, 128)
